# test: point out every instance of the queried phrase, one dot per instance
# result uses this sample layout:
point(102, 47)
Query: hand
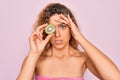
point(74, 29)
point(37, 43)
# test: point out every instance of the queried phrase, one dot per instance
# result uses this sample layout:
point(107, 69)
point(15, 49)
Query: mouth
point(58, 42)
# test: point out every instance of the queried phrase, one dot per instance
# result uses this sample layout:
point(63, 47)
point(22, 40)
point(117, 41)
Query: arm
point(28, 67)
point(92, 68)
point(102, 63)
point(105, 67)
point(37, 45)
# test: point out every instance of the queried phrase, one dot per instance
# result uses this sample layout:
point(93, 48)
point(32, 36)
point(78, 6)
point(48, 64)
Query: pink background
point(99, 21)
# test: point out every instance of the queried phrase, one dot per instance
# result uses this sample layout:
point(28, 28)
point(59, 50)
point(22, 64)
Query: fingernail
point(68, 15)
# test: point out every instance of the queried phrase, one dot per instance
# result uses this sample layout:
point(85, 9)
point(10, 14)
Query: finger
point(37, 35)
point(48, 38)
point(61, 21)
point(63, 17)
point(31, 36)
point(43, 25)
point(70, 20)
point(41, 28)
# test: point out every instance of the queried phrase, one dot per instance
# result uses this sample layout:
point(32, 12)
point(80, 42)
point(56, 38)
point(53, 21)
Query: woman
point(57, 57)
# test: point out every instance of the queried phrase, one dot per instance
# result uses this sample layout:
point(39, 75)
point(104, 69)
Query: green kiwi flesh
point(50, 28)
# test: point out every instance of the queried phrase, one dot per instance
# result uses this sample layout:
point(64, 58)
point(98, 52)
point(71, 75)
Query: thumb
point(48, 37)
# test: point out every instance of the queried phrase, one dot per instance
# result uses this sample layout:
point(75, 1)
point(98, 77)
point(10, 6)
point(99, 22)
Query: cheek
point(66, 34)
point(51, 40)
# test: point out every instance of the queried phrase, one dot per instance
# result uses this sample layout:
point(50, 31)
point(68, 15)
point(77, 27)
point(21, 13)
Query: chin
point(59, 46)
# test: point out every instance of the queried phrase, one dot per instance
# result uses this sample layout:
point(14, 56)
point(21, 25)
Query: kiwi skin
point(50, 28)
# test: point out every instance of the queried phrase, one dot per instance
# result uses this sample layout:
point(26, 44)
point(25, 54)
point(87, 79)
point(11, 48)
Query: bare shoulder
point(79, 53)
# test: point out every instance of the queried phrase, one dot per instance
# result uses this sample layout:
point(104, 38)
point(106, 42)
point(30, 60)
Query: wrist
point(80, 38)
point(33, 57)
point(34, 53)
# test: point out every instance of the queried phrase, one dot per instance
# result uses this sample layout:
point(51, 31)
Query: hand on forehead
point(58, 19)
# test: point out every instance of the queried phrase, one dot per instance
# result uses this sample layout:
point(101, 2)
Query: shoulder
point(80, 53)
point(83, 55)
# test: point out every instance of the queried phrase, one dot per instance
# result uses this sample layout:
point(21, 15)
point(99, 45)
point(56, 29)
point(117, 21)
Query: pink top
point(39, 77)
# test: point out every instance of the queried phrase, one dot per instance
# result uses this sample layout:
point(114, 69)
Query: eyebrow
point(62, 24)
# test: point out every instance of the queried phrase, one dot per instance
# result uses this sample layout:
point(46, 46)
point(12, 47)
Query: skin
point(62, 60)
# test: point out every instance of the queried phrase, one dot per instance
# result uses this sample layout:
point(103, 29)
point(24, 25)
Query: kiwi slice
point(50, 28)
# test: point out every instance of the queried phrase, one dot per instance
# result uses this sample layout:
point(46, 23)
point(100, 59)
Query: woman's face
point(62, 34)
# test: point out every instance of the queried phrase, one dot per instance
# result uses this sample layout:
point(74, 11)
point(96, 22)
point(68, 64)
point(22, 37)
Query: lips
point(58, 42)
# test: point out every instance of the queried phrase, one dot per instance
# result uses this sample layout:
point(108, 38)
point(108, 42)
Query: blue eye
point(62, 26)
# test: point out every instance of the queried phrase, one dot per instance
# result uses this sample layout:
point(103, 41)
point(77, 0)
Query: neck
point(63, 52)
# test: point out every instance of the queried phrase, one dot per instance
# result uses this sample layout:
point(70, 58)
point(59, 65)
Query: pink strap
point(47, 78)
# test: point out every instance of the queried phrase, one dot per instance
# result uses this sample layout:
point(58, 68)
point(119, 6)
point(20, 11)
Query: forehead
point(53, 19)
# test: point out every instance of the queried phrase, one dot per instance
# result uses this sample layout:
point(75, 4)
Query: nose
point(57, 33)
